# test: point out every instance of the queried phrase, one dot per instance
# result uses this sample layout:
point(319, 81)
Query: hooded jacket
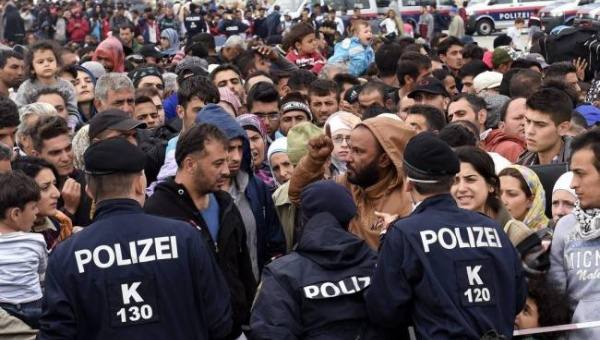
point(353, 53)
point(387, 195)
point(508, 147)
point(172, 200)
point(315, 292)
point(269, 233)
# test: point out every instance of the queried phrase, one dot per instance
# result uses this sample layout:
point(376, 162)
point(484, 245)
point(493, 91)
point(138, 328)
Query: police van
point(562, 12)
point(588, 16)
point(486, 16)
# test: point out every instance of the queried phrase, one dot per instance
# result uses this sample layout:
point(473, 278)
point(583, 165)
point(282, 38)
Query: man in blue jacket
point(251, 195)
point(129, 275)
point(450, 272)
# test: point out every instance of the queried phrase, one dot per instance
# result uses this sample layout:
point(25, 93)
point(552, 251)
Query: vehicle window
point(347, 4)
point(506, 2)
point(527, 1)
point(447, 3)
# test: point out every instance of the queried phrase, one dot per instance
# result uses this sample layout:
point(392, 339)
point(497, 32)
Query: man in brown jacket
point(373, 177)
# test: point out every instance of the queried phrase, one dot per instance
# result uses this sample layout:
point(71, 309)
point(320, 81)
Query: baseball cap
point(112, 119)
point(487, 80)
point(500, 56)
point(429, 85)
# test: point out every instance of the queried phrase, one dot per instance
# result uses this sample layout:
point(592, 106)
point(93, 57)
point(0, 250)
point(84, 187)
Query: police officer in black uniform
point(452, 273)
point(129, 275)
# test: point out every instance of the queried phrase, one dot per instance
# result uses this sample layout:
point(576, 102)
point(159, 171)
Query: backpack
point(567, 43)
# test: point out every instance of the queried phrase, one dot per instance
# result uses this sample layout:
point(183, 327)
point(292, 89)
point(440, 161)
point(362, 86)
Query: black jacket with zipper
point(171, 199)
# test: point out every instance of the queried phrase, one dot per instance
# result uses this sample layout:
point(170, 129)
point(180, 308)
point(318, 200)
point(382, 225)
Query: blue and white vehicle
point(486, 16)
point(562, 12)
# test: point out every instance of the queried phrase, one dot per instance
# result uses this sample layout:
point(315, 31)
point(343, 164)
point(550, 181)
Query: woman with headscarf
point(110, 54)
point(256, 135)
point(169, 43)
point(523, 196)
point(563, 197)
point(338, 127)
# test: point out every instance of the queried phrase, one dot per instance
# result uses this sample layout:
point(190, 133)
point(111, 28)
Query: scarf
point(586, 229)
point(173, 38)
point(536, 215)
point(111, 48)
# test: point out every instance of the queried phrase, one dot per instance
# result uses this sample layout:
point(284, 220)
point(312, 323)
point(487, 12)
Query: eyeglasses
point(270, 115)
point(339, 139)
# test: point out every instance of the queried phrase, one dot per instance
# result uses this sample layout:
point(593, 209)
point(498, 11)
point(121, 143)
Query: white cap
point(278, 145)
point(487, 80)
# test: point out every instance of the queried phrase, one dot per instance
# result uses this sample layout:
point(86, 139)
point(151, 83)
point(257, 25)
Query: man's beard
point(366, 177)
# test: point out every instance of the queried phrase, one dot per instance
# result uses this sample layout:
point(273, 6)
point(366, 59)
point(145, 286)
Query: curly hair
point(553, 305)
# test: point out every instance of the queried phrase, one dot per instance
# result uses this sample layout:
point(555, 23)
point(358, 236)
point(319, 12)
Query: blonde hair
point(356, 24)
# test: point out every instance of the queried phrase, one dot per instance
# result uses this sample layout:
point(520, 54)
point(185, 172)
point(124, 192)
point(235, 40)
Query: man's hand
point(320, 147)
point(580, 65)
point(71, 194)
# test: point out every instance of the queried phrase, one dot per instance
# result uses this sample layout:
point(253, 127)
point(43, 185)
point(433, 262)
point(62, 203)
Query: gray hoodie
point(575, 266)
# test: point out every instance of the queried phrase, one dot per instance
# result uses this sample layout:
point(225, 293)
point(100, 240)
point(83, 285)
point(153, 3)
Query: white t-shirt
point(515, 35)
point(390, 26)
point(23, 261)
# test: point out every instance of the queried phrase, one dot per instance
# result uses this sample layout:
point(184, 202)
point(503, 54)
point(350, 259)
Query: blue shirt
point(211, 217)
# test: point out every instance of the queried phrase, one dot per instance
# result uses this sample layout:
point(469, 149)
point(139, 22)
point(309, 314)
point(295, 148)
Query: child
point(42, 65)
point(515, 33)
point(23, 255)
point(302, 44)
point(356, 51)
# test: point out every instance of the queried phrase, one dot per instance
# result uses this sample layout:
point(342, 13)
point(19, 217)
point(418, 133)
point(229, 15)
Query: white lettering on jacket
point(465, 237)
point(348, 286)
point(140, 251)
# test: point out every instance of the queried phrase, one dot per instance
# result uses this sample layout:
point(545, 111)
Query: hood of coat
point(325, 242)
point(330, 197)
point(392, 135)
point(215, 115)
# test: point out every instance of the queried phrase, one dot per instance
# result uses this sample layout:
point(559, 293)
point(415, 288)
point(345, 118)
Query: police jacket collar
point(437, 200)
point(117, 206)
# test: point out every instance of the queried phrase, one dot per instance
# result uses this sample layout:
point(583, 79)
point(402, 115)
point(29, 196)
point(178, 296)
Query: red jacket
point(313, 62)
point(76, 32)
point(508, 147)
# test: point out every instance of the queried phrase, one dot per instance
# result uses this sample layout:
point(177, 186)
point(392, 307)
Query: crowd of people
point(192, 170)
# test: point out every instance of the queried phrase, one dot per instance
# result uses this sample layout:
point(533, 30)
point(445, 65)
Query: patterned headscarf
point(536, 215)
point(173, 38)
point(139, 73)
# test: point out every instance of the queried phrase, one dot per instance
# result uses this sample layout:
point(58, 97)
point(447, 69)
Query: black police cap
point(114, 155)
point(430, 157)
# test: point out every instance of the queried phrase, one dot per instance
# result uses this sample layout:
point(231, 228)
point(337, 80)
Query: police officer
point(450, 272)
point(130, 275)
point(316, 292)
